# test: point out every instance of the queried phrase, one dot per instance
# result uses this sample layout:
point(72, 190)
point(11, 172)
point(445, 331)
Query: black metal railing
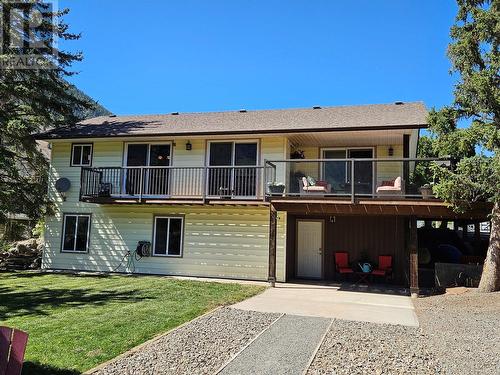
point(403, 178)
point(171, 182)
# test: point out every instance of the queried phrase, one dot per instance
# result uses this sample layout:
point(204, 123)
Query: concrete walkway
point(285, 348)
point(332, 302)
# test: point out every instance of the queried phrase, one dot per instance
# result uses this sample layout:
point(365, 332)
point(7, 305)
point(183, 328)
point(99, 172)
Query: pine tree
point(32, 100)
point(475, 59)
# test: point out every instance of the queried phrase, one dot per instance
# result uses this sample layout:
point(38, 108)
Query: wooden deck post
point(406, 165)
point(273, 219)
point(413, 251)
point(477, 238)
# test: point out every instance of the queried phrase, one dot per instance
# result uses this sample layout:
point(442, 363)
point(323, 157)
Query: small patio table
point(362, 277)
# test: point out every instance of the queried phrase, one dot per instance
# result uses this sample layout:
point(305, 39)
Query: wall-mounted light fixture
point(390, 151)
point(189, 146)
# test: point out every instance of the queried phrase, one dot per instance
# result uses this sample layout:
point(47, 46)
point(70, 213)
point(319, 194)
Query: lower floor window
point(168, 236)
point(76, 233)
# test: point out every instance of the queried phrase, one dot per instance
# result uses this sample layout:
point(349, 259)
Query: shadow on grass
point(40, 302)
point(30, 274)
point(35, 368)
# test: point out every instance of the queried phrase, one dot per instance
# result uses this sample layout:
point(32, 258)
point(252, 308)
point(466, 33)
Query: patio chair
point(384, 268)
point(342, 264)
point(317, 188)
point(391, 187)
point(12, 347)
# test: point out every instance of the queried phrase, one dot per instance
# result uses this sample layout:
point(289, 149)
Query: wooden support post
point(273, 219)
point(477, 238)
point(413, 251)
point(406, 165)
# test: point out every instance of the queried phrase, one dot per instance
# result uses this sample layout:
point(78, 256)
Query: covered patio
point(364, 232)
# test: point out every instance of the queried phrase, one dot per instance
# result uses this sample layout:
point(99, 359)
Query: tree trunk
point(490, 280)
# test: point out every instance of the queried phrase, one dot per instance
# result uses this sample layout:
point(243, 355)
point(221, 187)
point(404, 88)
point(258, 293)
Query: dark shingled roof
point(362, 117)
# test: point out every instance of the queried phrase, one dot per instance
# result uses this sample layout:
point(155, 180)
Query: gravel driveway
point(458, 334)
point(463, 331)
point(200, 347)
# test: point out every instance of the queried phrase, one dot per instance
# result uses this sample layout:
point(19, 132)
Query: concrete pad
point(331, 302)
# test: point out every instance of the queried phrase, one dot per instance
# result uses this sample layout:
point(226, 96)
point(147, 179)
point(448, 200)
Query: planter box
point(426, 193)
point(276, 189)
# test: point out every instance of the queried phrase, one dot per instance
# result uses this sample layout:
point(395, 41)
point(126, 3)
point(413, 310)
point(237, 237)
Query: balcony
point(351, 179)
point(346, 180)
point(169, 183)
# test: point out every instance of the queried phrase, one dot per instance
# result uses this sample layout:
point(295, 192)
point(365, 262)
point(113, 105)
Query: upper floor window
point(81, 155)
point(76, 230)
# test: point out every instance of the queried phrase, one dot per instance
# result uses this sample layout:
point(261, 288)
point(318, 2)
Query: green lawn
point(76, 322)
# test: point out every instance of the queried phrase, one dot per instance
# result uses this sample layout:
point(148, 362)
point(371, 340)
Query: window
point(76, 230)
point(168, 236)
point(81, 155)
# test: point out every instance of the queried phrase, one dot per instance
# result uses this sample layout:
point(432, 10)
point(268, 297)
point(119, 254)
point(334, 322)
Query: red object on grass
point(12, 347)
point(342, 263)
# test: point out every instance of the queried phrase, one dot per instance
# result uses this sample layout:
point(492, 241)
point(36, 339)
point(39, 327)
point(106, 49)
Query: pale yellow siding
point(219, 241)
point(389, 170)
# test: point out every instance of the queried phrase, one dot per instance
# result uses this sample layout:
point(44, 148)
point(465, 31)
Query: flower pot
point(276, 189)
point(426, 193)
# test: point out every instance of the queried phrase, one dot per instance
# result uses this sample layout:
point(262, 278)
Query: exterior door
point(236, 175)
point(363, 171)
point(155, 181)
point(309, 249)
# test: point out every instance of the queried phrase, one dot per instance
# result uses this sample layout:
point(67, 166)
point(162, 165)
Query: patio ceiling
point(348, 138)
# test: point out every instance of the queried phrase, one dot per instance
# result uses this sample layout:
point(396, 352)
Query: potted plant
point(276, 188)
point(426, 191)
point(297, 154)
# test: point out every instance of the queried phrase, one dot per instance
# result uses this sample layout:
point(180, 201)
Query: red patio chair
point(12, 347)
point(342, 264)
point(384, 268)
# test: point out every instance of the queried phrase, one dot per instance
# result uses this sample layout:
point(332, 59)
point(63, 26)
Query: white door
point(309, 248)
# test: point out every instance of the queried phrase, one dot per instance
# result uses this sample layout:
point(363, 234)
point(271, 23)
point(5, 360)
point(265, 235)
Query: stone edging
point(140, 346)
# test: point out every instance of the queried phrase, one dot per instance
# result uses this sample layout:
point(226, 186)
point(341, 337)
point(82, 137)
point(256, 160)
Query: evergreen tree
point(475, 59)
point(32, 100)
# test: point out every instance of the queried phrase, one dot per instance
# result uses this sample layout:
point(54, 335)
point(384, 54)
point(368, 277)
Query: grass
point(76, 322)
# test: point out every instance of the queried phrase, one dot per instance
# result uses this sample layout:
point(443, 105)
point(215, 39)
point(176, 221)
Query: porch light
point(390, 151)
point(189, 146)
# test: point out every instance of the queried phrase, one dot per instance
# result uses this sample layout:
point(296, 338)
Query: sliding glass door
point(155, 180)
point(338, 173)
point(232, 171)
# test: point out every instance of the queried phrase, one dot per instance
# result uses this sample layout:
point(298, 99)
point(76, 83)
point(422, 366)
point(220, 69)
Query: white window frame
point(233, 156)
point(149, 144)
point(91, 145)
point(76, 233)
point(181, 218)
point(346, 149)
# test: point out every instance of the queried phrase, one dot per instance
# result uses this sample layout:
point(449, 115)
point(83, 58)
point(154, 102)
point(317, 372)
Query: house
point(261, 195)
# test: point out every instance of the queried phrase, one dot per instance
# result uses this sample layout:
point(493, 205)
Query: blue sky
point(197, 55)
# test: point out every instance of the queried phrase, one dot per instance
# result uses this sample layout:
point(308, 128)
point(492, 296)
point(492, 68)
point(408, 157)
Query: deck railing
point(403, 178)
point(170, 182)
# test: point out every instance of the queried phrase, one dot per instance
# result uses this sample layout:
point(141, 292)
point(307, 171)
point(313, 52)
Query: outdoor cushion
point(384, 262)
point(345, 270)
point(305, 182)
point(388, 188)
point(315, 188)
point(387, 183)
point(311, 181)
point(397, 182)
point(321, 183)
point(379, 272)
